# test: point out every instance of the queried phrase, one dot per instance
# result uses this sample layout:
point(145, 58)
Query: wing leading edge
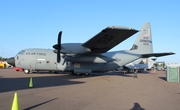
point(108, 38)
point(157, 54)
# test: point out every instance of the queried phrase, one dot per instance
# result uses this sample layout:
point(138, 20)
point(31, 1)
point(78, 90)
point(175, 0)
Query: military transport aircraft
point(91, 56)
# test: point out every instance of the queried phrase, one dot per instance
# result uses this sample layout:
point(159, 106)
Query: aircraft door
point(19, 62)
point(32, 65)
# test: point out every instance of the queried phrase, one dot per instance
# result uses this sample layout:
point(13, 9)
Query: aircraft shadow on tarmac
point(116, 73)
point(130, 74)
point(13, 84)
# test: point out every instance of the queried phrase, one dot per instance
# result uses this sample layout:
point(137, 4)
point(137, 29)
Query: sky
point(36, 23)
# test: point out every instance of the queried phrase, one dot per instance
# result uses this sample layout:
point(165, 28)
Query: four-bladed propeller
point(58, 47)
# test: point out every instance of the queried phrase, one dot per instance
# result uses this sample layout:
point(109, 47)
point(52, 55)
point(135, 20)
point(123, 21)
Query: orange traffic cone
point(153, 71)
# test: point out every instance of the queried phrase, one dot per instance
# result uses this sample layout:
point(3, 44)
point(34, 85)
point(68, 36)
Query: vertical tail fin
point(143, 43)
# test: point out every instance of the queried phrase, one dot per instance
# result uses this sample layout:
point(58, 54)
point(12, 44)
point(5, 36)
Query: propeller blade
point(59, 39)
point(58, 56)
point(58, 47)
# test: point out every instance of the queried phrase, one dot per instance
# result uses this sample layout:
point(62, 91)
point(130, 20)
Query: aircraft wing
point(157, 54)
point(108, 38)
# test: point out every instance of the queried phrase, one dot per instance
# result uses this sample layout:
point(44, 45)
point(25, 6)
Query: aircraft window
point(21, 52)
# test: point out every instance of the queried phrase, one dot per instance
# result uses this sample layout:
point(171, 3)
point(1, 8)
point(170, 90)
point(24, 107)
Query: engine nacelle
point(74, 48)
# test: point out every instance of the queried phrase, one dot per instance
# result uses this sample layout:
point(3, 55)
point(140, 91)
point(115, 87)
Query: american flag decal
point(148, 33)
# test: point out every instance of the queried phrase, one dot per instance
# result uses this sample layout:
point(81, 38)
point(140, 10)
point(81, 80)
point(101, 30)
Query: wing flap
point(108, 38)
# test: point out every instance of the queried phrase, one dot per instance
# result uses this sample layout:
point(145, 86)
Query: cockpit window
point(21, 52)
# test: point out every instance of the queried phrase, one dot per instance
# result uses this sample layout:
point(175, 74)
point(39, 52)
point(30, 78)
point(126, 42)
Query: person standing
point(135, 72)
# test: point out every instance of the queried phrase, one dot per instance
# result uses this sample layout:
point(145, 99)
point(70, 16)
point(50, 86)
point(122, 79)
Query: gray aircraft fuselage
point(45, 59)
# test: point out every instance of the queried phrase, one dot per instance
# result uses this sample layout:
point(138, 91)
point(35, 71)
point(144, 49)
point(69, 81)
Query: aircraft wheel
point(88, 74)
point(55, 72)
point(78, 74)
point(26, 71)
point(72, 73)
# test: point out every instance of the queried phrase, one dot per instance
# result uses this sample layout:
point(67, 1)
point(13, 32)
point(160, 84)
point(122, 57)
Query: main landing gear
point(80, 74)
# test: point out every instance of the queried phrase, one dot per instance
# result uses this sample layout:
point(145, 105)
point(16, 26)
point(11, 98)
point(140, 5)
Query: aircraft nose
point(11, 61)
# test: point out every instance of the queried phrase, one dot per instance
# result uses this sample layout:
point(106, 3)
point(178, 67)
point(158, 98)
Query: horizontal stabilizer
point(157, 54)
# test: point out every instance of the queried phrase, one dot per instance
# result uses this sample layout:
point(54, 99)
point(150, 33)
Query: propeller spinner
point(58, 47)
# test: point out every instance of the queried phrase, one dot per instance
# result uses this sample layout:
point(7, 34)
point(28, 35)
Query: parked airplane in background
point(140, 65)
point(160, 65)
point(91, 56)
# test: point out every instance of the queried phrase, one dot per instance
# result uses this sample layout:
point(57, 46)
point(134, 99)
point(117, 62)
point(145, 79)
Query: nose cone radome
point(11, 61)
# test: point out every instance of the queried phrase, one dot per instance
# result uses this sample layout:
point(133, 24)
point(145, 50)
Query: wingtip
point(172, 53)
point(122, 28)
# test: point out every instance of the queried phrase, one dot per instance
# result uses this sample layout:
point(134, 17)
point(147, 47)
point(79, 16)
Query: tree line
point(3, 59)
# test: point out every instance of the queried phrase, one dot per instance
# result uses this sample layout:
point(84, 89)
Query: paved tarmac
point(109, 91)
